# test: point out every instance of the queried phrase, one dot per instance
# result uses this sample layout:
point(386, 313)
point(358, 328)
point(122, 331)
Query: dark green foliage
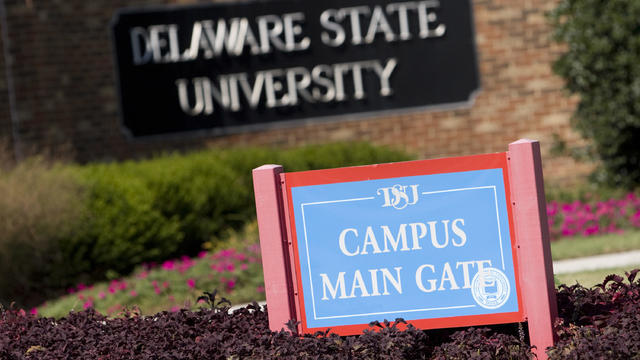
point(602, 65)
point(482, 344)
point(598, 323)
point(142, 211)
point(245, 334)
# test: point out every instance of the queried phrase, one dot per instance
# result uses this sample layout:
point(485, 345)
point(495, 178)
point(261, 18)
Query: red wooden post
point(534, 250)
point(273, 245)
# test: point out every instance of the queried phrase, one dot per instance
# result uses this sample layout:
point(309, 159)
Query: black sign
point(229, 67)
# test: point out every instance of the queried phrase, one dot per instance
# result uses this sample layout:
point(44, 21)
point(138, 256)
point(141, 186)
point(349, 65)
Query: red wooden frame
point(394, 170)
point(522, 172)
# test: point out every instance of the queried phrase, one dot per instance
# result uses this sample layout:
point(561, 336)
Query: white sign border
point(304, 223)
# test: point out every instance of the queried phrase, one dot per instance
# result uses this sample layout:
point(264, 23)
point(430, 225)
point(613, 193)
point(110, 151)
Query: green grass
point(246, 273)
point(590, 278)
point(580, 246)
point(235, 272)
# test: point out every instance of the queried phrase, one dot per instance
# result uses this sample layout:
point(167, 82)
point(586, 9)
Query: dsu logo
point(398, 197)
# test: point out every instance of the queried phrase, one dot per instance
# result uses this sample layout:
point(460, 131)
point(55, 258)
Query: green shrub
point(602, 65)
point(171, 205)
point(40, 207)
point(152, 210)
point(121, 225)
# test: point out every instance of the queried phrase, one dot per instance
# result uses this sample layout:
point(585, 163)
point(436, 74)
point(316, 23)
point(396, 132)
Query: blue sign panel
point(416, 247)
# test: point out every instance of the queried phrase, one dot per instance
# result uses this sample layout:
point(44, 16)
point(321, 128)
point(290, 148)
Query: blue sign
point(415, 247)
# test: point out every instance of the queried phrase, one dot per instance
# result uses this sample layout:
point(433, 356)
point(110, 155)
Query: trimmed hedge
point(171, 205)
point(153, 210)
point(598, 323)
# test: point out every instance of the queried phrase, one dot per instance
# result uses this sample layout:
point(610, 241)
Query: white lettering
point(183, 96)
point(342, 242)
point(140, 46)
point(318, 79)
point(458, 231)
point(270, 30)
point(333, 290)
point(370, 239)
point(292, 29)
point(414, 234)
point(379, 24)
point(426, 17)
point(298, 81)
point(396, 282)
point(465, 272)
point(389, 239)
point(358, 283)
point(403, 18)
point(157, 43)
point(354, 16)
point(447, 275)
point(326, 20)
point(374, 282)
point(432, 282)
point(384, 73)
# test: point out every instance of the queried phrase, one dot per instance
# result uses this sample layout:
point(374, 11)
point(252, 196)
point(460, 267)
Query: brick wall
point(5, 117)
point(66, 97)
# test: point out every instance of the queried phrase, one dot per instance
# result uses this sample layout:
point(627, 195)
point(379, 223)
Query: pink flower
point(87, 305)
point(202, 254)
point(112, 289)
point(133, 293)
point(175, 309)
point(244, 267)
point(635, 220)
point(231, 284)
point(165, 284)
point(168, 265)
point(101, 295)
point(191, 283)
point(157, 290)
point(185, 265)
point(34, 311)
point(143, 275)
point(81, 287)
point(260, 289)
point(593, 229)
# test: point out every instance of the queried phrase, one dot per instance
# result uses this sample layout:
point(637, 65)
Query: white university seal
point(490, 288)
